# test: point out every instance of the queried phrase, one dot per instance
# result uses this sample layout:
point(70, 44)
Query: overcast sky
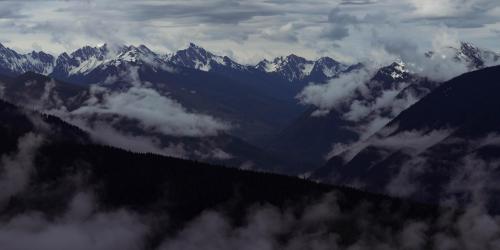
point(349, 30)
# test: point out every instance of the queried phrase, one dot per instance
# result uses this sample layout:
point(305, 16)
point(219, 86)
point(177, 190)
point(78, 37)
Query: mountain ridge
point(431, 142)
point(82, 61)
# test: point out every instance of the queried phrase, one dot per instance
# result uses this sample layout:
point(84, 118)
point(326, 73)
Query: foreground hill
point(173, 192)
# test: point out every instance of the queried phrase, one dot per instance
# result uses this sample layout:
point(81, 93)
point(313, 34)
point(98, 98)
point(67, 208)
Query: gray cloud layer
point(247, 30)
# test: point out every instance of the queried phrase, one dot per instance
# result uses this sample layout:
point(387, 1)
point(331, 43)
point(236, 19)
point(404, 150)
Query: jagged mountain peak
point(293, 68)
point(468, 53)
point(194, 50)
point(141, 48)
point(196, 57)
point(397, 71)
point(80, 61)
point(475, 56)
point(7, 51)
point(326, 59)
point(194, 46)
point(290, 59)
point(42, 57)
point(469, 48)
point(39, 54)
point(84, 60)
point(327, 67)
point(87, 51)
point(281, 62)
point(13, 63)
point(134, 54)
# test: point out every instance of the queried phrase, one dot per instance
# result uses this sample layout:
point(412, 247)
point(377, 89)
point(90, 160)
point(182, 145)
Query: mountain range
point(84, 61)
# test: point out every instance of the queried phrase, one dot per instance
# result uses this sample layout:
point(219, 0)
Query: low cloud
point(412, 141)
point(104, 133)
point(137, 117)
point(153, 111)
point(81, 227)
point(84, 226)
point(327, 96)
point(374, 112)
point(441, 66)
point(264, 225)
point(17, 167)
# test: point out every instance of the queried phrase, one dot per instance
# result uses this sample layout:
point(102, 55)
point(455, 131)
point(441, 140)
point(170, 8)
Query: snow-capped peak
point(81, 61)
point(475, 57)
point(397, 71)
point(291, 67)
point(86, 59)
point(470, 55)
point(13, 63)
point(328, 67)
point(140, 54)
point(196, 57)
point(294, 68)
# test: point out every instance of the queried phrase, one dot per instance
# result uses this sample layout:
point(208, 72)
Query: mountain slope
point(43, 93)
point(451, 131)
point(389, 91)
point(314, 135)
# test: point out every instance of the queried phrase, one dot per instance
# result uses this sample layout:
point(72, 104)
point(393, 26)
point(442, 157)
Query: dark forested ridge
point(176, 189)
